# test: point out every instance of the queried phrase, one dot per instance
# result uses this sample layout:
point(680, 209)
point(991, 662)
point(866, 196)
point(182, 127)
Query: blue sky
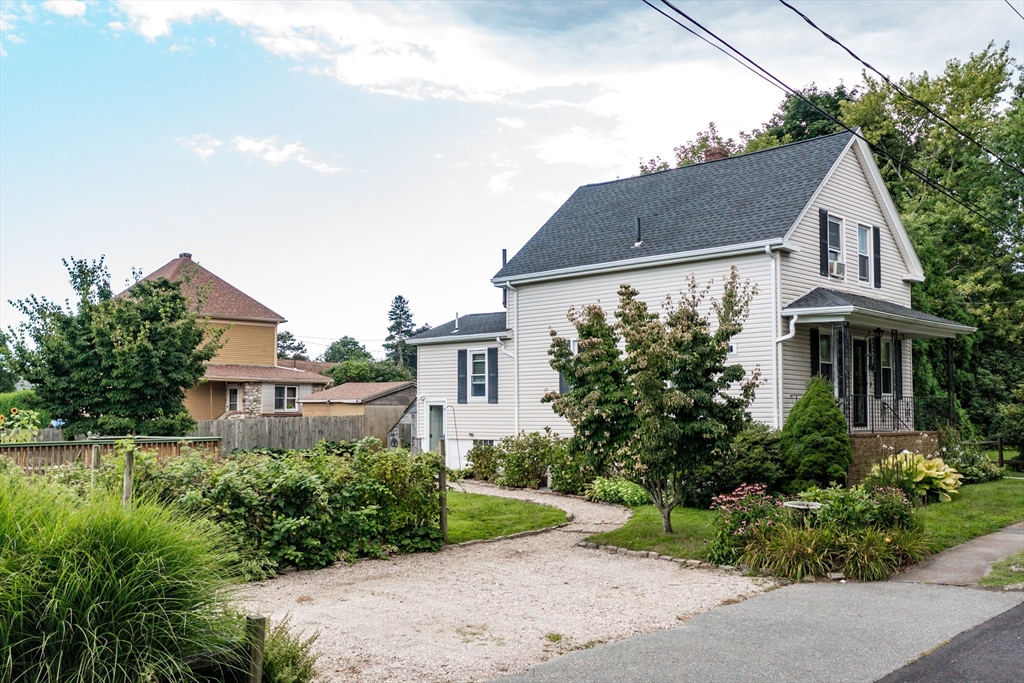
point(325, 157)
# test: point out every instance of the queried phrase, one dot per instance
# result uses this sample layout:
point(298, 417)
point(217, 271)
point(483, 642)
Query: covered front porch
point(863, 347)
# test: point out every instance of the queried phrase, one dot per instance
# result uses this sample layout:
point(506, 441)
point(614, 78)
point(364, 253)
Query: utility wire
point(900, 90)
point(767, 76)
point(1010, 4)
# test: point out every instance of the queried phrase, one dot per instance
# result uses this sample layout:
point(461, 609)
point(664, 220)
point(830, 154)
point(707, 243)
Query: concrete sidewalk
point(806, 632)
point(965, 564)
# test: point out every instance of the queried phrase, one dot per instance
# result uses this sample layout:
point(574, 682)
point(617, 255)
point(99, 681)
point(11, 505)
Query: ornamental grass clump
point(94, 591)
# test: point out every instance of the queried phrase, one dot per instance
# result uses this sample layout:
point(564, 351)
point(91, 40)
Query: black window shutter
point(878, 365)
point(492, 375)
point(823, 240)
point(462, 376)
point(815, 353)
point(877, 242)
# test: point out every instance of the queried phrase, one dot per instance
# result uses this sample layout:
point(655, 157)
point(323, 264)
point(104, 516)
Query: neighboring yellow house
point(244, 378)
point(381, 403)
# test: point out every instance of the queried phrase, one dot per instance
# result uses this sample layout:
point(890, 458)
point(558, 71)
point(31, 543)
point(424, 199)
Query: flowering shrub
point(748, 509)
point(861, 506)
point(617, 490)
point(968, 459)
point(18, 426)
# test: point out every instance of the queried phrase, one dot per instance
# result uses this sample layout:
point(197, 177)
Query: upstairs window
point(286, 398)
point(835, 239)
point(863, 253)
point(478, 374)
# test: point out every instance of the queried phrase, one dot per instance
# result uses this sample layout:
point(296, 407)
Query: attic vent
point(639, 236)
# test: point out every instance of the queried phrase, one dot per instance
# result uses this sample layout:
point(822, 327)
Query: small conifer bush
point(815, 439)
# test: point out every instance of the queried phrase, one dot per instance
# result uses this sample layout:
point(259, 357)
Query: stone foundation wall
point(252, 399)
point(868, 449)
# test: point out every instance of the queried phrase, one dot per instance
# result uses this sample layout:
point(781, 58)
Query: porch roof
point(822, 305)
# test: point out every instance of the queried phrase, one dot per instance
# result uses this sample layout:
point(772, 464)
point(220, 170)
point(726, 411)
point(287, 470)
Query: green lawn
point(1002, 575)
point(977, 510)
point(472, 516)
point(1008, 454)
point(693, 529)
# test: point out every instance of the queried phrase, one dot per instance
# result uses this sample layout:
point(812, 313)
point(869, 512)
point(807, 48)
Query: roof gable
point(472, 325)
point(223, 300)
point(743, 199)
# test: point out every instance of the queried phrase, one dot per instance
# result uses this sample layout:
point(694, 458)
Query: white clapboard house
point(811, 223)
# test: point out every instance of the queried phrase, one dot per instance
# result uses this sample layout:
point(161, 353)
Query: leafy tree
point(289, 347)
point(8, 378)
point(674, 381)
point(344, 349)
point(114, 365)
point(368, 370)
point(398, 351)
point(815, 441)
point(796, 120)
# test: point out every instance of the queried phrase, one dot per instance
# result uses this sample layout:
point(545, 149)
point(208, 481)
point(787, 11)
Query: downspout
point(515, 357)
point(775, 333)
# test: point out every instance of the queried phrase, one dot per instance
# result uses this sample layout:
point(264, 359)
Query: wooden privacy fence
point(281, 432)
point(36, 457)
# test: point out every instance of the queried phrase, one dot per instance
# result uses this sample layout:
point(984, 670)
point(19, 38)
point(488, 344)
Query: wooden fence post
point(442, 485)
point(256, 637)
point(999, 445)
point(94, 464)
point(129, 476)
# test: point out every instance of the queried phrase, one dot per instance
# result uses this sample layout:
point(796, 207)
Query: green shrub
point(289, 658)
point(93, 591)
point(617, 490)
point(967, 458)
point(1009, 422)
point(525, 459)
point(815, 440)
point(485, 461)
point(571, 472)
point(754, 457)
point(860, 507)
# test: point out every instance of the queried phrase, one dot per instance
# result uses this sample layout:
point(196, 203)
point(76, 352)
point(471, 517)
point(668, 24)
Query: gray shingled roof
point(819, 297)
point(746, 198)
point(469, 325)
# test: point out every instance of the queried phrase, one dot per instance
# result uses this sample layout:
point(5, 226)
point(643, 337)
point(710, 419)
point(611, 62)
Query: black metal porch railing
point(891, 414)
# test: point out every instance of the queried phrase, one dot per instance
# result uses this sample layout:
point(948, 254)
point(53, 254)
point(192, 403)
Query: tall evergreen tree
point(398, 351)
point(290, 348)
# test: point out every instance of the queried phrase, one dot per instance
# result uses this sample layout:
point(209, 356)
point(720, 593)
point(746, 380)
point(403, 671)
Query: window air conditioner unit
point(836, 268)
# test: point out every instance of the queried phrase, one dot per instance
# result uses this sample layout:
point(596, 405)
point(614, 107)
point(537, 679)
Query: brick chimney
point(715, 153)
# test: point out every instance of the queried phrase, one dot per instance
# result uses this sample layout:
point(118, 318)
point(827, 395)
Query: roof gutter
point(777, 244)
point(458, 338)
point(907, 320)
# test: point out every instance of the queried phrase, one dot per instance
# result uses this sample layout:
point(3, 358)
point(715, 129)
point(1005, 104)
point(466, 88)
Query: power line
point(1010, 5)
point(900, 90)
point(767, 76)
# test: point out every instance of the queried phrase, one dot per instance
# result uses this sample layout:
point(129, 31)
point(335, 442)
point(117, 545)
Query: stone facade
point(868, 449)
point(252, 399)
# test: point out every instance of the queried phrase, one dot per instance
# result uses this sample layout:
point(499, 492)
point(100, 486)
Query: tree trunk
point(666, 517)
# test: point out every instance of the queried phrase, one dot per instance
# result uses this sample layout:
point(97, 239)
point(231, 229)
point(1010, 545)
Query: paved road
point(990, 653)
point(832, 633)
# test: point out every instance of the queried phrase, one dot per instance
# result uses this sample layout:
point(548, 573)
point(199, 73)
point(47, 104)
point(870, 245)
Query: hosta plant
point(928, 475)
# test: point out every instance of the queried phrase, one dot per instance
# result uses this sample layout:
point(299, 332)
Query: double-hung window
point(232, 400)
point(863, 253)
point(835, 239)
point(886, 362)
point(478, 374)
point(825, 356)
point(286, 398)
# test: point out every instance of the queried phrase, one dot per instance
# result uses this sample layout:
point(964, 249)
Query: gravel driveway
point(470, 613)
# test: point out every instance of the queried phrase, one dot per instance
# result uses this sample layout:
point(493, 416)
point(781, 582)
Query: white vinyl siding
point(846, 193)
point(437, 381)
point(543, 307)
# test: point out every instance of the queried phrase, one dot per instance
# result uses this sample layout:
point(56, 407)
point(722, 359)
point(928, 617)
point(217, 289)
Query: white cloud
point(268, 151)
point(205, 146)
point(15, 39)
point(116, 26)
point(498, 184)
point(511, 123)
point(66, 8)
